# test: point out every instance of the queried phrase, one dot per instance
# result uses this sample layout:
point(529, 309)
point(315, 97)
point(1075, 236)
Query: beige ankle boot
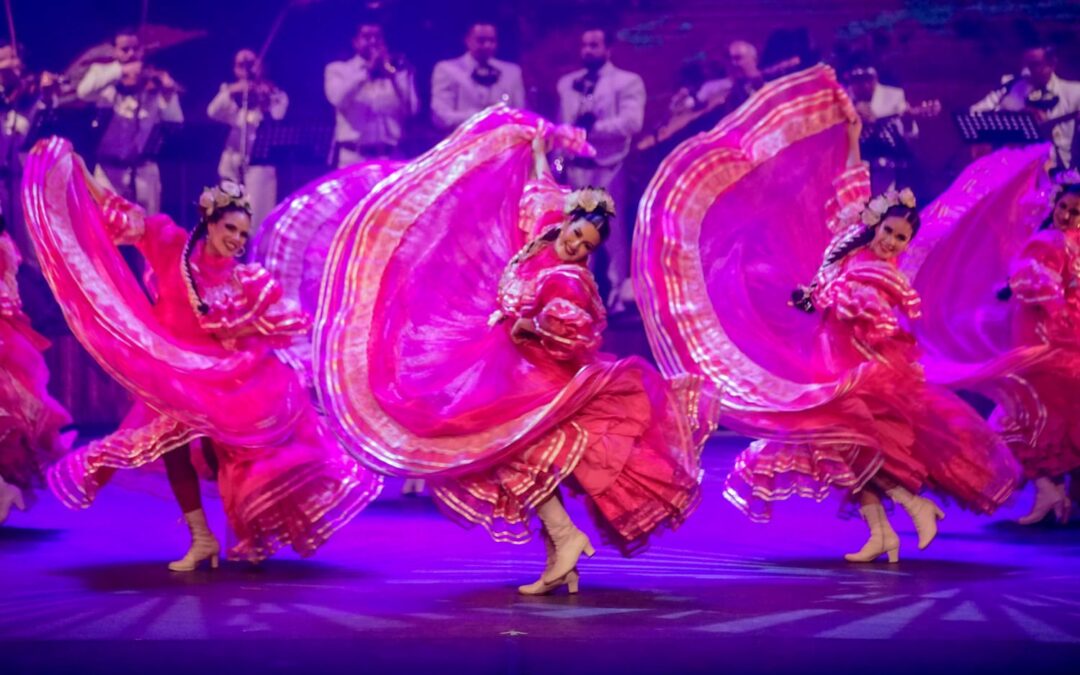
point(883, 539)
point(538, 587)
point(1049, 496)
point(924, 513)
point(10, 496)
point(204, 545)
point(570, 543)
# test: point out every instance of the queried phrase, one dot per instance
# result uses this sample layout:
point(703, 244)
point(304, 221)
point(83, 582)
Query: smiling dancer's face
point(891, 238)
point(1067, 212)
point(577, 239)
point(227, 237)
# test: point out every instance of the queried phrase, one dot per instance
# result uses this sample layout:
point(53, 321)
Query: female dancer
point(1021, 352)
point(199, 361)
point(1045, 282)
point(441, 353)
point(835, 397)
point(30, 419)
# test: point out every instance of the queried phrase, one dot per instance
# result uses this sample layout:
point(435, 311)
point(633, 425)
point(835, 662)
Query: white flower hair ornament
point(878, 206)
point(228, 193)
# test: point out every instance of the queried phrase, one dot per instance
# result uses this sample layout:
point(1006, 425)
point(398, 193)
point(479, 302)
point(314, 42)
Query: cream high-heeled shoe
point(1049, 496)
point(540, 587)
point(204, 545)
point(570, 543)
point(923, 512)
point(883, 539)
point(10, 496)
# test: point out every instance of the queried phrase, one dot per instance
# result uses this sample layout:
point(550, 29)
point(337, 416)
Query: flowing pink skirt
point(30, 419)
point(616, 447)
point(910, 433)
point(297, 493)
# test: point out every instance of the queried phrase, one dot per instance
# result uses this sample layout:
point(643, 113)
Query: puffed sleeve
point(257, 308)
point(868, 297)
point(568, 317)
point(1036, 274)
point(851, 194)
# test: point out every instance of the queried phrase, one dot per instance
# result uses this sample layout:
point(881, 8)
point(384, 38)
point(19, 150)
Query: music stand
point(280, 142)
point(998, 128)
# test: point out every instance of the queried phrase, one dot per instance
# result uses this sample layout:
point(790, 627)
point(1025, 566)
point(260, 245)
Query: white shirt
point(1014, 98)
point(455, 96)
point(224, 108)
point(889, 101)
point(120, 141)
point(618, 102)
point(369, 110)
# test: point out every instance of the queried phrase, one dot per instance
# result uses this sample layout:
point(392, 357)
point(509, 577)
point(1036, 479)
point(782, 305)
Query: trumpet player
point(373, 95)
point(141, 98)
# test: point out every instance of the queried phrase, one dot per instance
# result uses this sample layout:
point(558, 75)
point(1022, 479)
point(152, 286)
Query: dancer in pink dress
point(737, 217)
point(30, 419)
point(1010, 328)
point(199, 359)
point(458, 340)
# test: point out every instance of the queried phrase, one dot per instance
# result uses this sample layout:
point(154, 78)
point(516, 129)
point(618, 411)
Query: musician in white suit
point(466, 85)
point(609, 103)
point(1040, 91)
point(880, 105)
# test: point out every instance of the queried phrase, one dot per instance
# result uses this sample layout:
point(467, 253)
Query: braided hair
point(802, 297)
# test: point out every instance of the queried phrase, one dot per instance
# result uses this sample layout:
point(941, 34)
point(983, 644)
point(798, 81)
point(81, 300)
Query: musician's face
point(228, 236)
point(862, 87)
point(127, 48)
point(891, 238)
point(577, 239)
point(369, 41)
point(1040, 66)
point(594, 49)
point(743, 59)
point(244, 64)
point(482, 42)
point(1067, 212)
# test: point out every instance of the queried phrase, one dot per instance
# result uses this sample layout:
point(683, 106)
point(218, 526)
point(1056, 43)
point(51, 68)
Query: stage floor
point(402, 589)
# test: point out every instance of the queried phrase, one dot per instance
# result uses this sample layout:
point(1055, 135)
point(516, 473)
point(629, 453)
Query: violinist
point(1038, 90)
point(140, 98)
point(243, 104)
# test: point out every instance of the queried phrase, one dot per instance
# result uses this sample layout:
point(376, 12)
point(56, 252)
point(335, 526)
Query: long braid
point(193, 290)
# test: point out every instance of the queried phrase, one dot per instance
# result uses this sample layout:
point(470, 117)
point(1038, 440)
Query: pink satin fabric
point(1023, 352)
point(30, 419)
point(733, 222)
point(293, 242)
point(283, 479)
point(415, 360)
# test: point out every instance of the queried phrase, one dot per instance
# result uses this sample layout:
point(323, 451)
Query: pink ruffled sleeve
point(258, 308)
point(852, 192)
point(1036, 274)
point(128, 224)
point(867, 296)
point(567, 315)
point(10, 303)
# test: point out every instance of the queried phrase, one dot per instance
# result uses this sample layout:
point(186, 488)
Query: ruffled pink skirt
point(616, 451)
point(920, 436)
point(297, 493)
point(30, 419)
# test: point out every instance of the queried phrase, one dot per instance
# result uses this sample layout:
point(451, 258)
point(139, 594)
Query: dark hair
point(801, 297)
point(600, 218)
point(125, 31)
point(481, 21)
point(609, 33)
point(202, 228)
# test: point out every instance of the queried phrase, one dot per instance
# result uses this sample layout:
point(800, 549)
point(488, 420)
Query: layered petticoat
point(733, 222)
point(211, 375)
point(30, 419)
point(415, 361)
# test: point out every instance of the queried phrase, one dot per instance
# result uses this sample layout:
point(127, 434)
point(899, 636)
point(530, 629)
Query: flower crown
point(228, 193)
point(875, 210)
point(1063, 180)
point(589, 200)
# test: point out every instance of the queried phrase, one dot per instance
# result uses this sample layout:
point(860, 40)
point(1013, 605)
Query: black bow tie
point(586, 84)
point(485, 75)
